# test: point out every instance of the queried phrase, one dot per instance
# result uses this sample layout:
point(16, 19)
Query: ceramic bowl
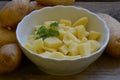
point(61, 66)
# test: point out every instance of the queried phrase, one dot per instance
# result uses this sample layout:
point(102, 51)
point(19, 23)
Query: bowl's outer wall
point(57, 67)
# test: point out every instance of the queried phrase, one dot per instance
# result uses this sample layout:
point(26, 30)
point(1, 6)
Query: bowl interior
point(26, 26)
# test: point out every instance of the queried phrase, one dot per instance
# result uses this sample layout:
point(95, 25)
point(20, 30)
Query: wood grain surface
point(105, 68)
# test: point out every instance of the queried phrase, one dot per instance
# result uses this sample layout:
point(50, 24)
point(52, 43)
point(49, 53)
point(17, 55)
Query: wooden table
point(105, 68)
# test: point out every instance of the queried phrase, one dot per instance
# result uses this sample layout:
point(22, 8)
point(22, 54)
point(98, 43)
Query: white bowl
point(63, 66)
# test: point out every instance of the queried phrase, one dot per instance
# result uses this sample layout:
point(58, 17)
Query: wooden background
point(105, 68)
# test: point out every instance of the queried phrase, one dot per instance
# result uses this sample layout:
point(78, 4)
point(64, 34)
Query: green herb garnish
point(44, 32)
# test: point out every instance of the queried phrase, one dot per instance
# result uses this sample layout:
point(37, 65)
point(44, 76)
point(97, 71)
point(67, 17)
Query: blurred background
point(88, 0)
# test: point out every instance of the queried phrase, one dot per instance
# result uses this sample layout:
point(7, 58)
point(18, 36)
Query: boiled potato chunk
point(93, 35)
point(52, 42)
point(94, 45)
point(73, 49)
point(57, 55)
point(81, 32)
point(49, 49)
point(64, 49)
point(66, 22)
point(62, 32)
point(68, 37)
point(73, 31)
point(29, 46)
point(38, 45)
point(81, 21)
point(84, 39)
point(84, 49)
point(65, 28)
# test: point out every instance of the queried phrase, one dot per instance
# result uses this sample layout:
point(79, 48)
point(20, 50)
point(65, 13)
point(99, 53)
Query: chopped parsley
point(44, 32)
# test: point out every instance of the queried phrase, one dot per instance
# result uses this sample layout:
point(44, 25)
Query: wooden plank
point(105, 68)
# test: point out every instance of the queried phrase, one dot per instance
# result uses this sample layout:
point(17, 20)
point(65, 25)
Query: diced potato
point(65, 22)
point(52, 42)
point(81, 32)
point(62, 33)
point(84, 39)
point(29, 46)
point(81, 21)
point(64, 49)
point(38, 45)
point(73, 31)
point(93, 35)
point(49, 49)
point(57, 55)
point(68, 37)
point(84, 49)
point(48, 23)
point(67, 40)
point(94, 45)
point(73, 49)
point(45, 54)
point(86, 33)
point(61, 26)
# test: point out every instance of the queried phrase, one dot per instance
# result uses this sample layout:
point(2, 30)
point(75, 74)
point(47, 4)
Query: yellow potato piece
point(38, 46)
point(73, 49)
point(64, 49)
point(53, 42)
point(57, 55)
point(66, 22)
point(94, 45)
point(73, 31)
point(93, 35)
point(84, 49)
point(49, 49)
point(68, 37)
point(81, 21)
point(84, 39)
point(29, 46)
point(81, 32)
point(61, 35)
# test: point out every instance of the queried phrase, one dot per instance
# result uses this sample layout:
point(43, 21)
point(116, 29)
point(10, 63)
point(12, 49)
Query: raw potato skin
point(34, 6)
point(56, 2)
point(12, 13)
point(7, 36)
point(10, 58)
point(113, 47)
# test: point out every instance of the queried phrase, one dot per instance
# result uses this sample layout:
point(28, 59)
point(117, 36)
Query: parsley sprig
point(44, 32)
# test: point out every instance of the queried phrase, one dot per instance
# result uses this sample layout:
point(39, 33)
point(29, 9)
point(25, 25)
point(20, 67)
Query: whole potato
point(34, 6)
point(13, 12)
point(7, 36)
point(56, 2)
point(113, 47)
point(10, 57)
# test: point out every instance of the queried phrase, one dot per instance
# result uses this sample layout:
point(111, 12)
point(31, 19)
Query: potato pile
point(64, 38)
point(10, 15)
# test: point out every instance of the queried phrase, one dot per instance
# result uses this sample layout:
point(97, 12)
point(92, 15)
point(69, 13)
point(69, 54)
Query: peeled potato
point(7, 36)
point(56, 2)
point(10, 57)
point(113, 47)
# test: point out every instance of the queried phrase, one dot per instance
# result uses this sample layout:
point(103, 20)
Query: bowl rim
point(66, 59)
